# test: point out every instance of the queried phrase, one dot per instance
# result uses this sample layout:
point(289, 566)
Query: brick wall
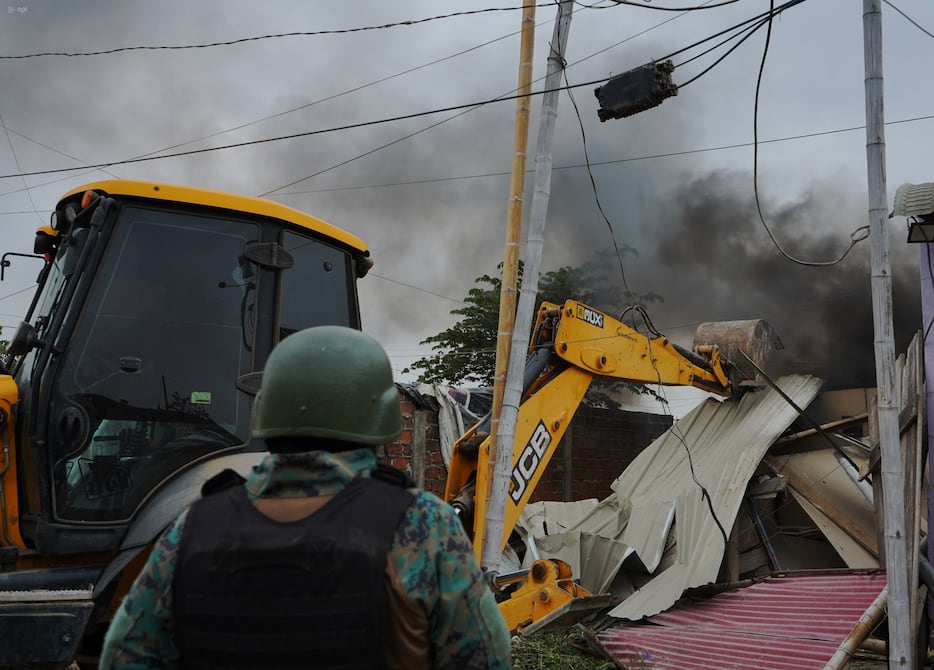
point(418, 449)
point(597, 448)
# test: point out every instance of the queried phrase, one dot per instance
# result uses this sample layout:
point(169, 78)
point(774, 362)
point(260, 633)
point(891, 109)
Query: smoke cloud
point(711, 260)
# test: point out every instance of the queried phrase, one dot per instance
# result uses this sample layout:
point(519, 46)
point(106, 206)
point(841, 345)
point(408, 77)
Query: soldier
point(322, 558)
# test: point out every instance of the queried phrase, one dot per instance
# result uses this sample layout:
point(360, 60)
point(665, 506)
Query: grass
point(555, 650)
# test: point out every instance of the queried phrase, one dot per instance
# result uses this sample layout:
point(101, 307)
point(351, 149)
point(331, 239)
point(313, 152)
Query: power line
point(292, 136)
point(51, 148)
point(467, 106)
point(14, 293)
point(257, 38)
point(6, 134)
point(309, 133)
point(858, 235)
point(417, 288)
point(616, 161)
point(749, 33)
point(910, 20)
point(288, 111)
point(630, 295)
point(466, 111)
point(666, 9)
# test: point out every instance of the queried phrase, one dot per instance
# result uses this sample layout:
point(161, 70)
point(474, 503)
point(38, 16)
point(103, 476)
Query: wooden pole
point(893, 478)
point(499, 483)
point(509, 285)
point(863, 628)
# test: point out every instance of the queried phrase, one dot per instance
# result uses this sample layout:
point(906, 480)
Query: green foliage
point(466, 352)
point(562, 649)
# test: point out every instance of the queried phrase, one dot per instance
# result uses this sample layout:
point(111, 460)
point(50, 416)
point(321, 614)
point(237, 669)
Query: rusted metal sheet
point(793, 622)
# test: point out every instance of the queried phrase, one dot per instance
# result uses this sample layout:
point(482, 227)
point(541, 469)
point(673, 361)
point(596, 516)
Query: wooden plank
point(833, 425)
point(912, 401)
point(800, 483)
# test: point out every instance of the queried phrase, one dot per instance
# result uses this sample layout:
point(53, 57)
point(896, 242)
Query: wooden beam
point(812, 493)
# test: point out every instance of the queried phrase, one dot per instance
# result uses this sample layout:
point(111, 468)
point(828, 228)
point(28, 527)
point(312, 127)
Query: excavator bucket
point(754, 338)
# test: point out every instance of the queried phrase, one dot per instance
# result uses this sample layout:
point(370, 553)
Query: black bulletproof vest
point(250, 592)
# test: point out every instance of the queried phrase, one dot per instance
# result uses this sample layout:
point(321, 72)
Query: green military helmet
point(328, 382)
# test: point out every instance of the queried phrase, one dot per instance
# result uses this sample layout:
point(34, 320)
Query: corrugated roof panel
point(785, 622)
point(668, 649)
point(714, 449)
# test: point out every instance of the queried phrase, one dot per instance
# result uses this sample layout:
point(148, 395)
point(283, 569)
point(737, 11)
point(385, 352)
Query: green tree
point(466, 352)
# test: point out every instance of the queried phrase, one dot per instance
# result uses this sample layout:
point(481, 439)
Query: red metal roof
point(786, 622)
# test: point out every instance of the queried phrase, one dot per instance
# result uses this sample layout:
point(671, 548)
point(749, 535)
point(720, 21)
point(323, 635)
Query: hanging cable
point(16, 160)
point(858, 235)
point(749, 33)
point(258, 38)
point(910, 20)
point(671, 9)
point(596, 194)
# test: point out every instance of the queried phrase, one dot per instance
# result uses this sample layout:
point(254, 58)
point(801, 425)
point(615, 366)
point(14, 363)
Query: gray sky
point(691, 216)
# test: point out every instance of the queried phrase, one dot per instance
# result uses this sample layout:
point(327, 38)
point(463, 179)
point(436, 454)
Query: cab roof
point(220, 200)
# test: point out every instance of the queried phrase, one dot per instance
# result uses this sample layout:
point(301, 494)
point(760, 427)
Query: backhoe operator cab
point(130, 382)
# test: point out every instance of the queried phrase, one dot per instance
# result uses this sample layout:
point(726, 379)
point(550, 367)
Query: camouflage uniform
point(430, 555)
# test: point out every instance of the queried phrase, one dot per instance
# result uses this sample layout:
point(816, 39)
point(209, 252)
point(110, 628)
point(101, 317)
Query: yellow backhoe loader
point(572, 345)
point(130, 382)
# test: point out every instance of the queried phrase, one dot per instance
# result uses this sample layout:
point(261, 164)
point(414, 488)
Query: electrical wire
point(607, 162)
point(716, 46)
point(303, 106)
point(150, 157)
point(676, 432)
point(910, 20)
point(257, 38)
point(6, 133)
point(749, 33)
point(14, 293)
point(292, 136)
point(413, 134)
point(417, 288)
point(593, 185)
point(772, 12)
point(672, 9)
point(627, 39)
point(146, 157)
point(858, 235)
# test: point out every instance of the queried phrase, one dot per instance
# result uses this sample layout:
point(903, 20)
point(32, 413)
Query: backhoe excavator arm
point(571, 345)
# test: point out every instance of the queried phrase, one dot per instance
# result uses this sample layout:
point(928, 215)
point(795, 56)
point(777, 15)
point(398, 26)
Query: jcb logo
point(591, 316)
point(529, 460)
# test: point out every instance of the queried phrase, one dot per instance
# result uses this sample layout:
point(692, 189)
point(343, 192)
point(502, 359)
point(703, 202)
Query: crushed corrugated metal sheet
point(702, 464)
point(779, 623)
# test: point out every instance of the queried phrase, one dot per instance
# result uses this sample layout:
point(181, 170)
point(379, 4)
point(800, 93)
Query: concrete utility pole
point(509, 283)
point(506, 435)
point(893, 475)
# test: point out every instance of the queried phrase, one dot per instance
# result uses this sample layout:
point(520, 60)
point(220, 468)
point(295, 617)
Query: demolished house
point(745, 536)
